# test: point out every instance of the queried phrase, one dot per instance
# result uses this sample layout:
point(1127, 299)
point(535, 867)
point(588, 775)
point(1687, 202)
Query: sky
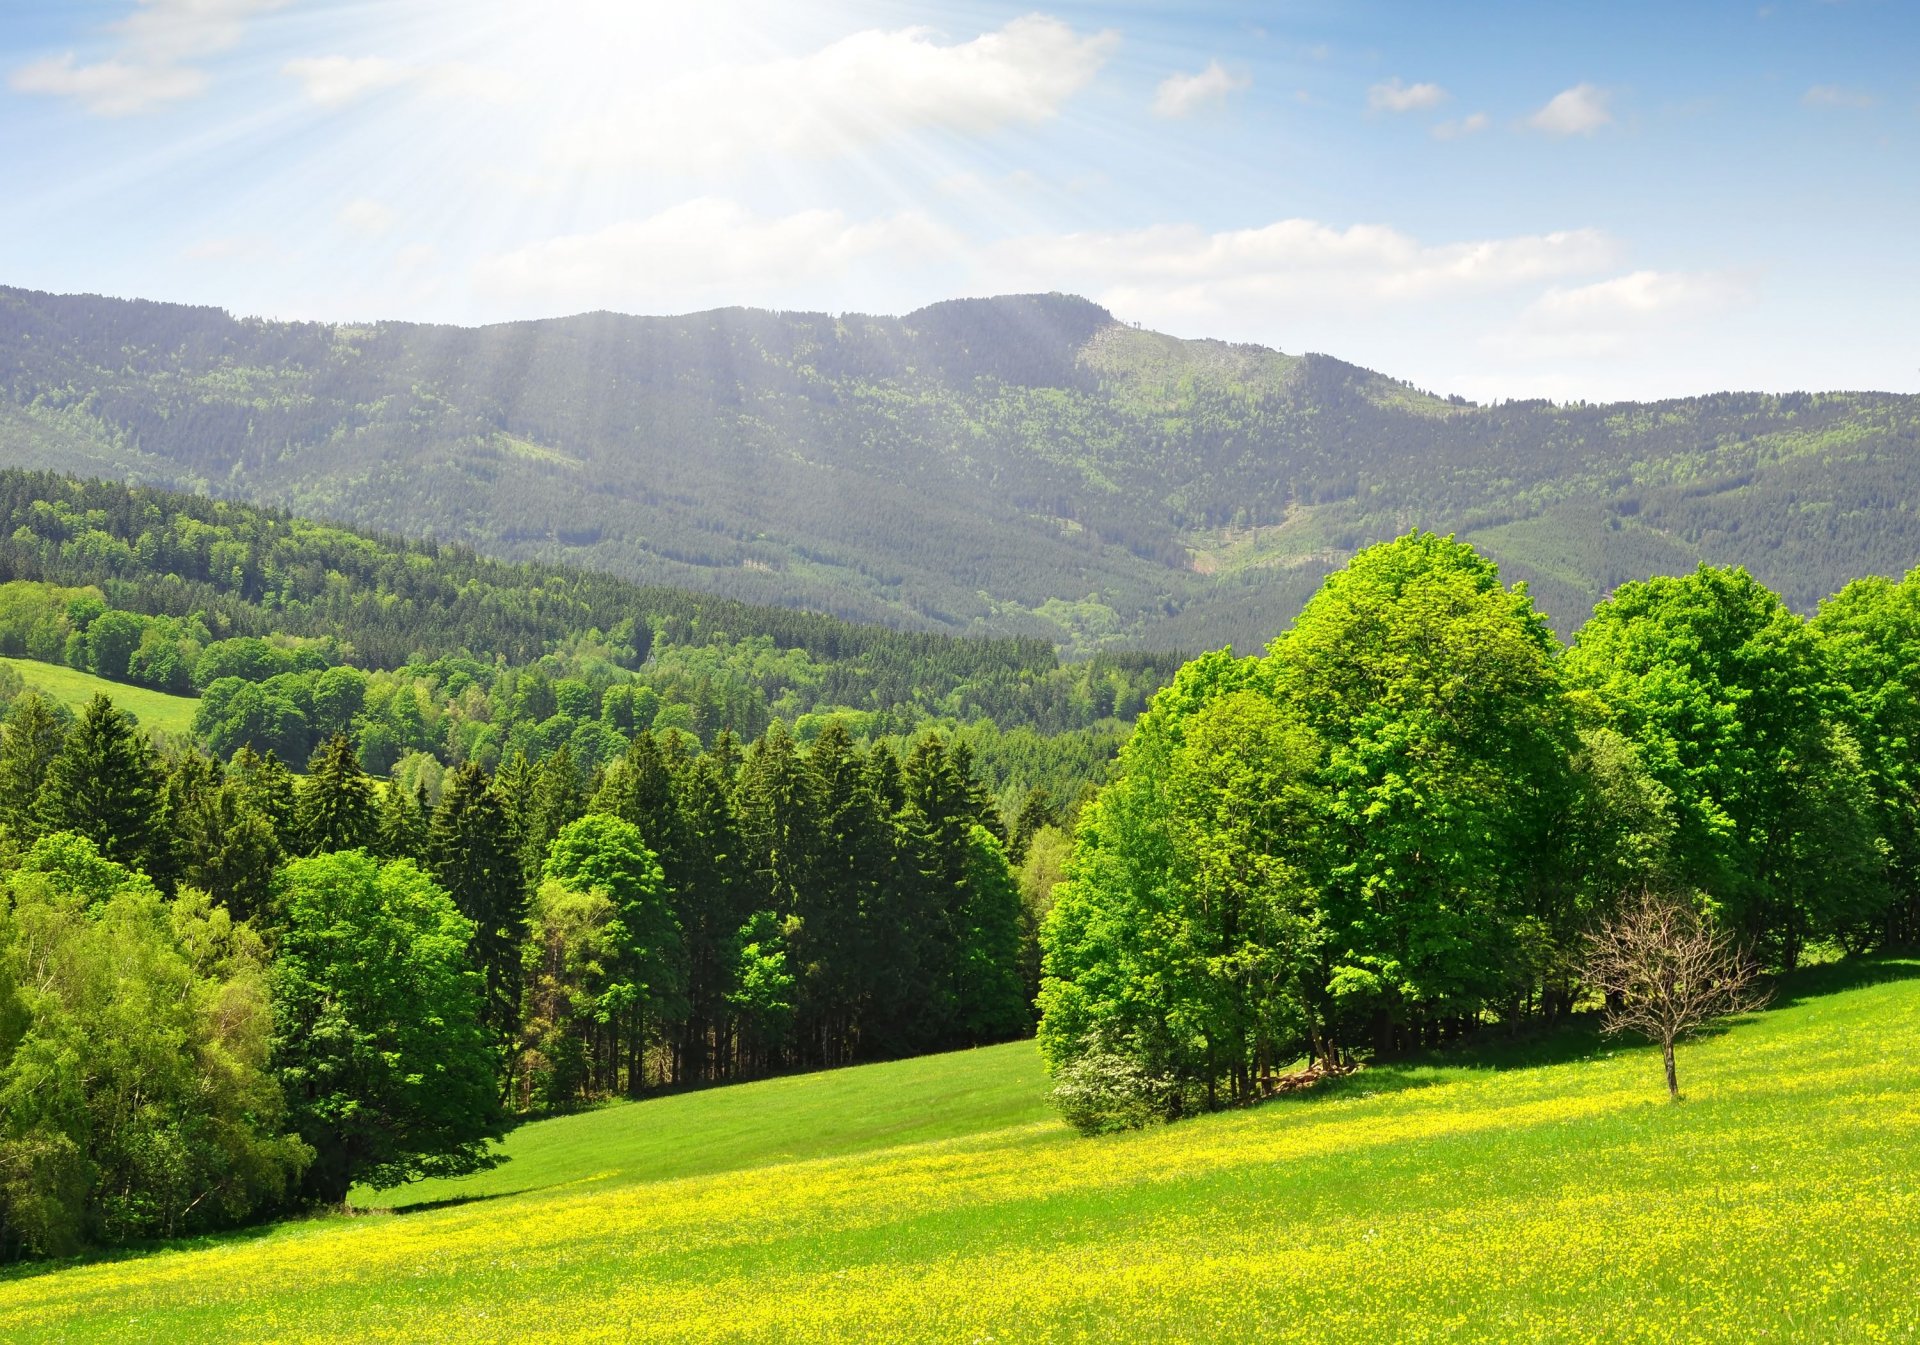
point(1491, 198)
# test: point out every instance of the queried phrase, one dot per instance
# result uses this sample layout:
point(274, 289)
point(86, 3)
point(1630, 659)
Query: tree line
point(1403, 821)
point(226, 990)
point(178, 578)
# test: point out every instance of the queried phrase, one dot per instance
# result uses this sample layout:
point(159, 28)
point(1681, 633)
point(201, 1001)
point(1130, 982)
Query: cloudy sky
point(1500, 198)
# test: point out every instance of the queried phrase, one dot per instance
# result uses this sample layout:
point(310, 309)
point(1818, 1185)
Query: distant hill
point(1026, 465)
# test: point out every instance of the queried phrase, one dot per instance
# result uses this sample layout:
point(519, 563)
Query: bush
point(1101, 1091)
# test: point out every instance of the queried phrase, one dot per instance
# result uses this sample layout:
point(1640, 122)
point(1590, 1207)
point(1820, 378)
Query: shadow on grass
point(139, 1251)
point(1851, 973)
point(1579, 1037)
point(445, 1203)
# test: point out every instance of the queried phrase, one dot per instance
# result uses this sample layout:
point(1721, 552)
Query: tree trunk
point(1673, 1080)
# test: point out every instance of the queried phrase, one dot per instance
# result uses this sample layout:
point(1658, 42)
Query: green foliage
point(1404, 820)
point(377, 1039)
point(135, 1100)
point(103, 784)
point(1726, 696)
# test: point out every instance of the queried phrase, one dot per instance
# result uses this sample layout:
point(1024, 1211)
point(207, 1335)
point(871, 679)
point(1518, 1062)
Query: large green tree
point(334, 806)
point(1435, 691)
point(645, 991)
point(135, 1099)
point(1727, 697)
point(377, 1041)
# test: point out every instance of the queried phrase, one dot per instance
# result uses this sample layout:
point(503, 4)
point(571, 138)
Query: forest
point(429, 656)
point(1024, 466)
point(1406, 822)
point(229, 990)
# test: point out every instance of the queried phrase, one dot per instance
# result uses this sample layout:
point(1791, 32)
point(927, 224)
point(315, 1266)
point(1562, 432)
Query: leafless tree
point(1667, 972)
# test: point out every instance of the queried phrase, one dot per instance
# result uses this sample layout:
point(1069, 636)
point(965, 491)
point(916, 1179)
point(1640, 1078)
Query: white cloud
point(865, 87)
point(1581, 110)
point(1471, 124)
point(1835, 95)
point(1250, 279)
point(367, 216)
point(1619, 316)
point(148, 66)
point(1638, 296)
point(108, 88)
point(334, 81)
point(702, 252)
point(164, 31)
point(1394, 96)
point(1181, 95)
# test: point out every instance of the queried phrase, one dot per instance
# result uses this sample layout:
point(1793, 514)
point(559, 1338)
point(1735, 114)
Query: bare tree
point(1667, 972)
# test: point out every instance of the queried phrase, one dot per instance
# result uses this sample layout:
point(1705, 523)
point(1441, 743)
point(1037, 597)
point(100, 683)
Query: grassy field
point(172, 715)
point(1549, 1194)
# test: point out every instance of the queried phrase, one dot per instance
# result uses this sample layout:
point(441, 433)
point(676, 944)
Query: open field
point(1549, 1194)
point(172, 715)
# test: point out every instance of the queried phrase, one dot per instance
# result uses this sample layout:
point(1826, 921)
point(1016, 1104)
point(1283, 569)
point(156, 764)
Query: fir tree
point(36, 728)
point(103, 786)
point(334, 806)
point(470, 850)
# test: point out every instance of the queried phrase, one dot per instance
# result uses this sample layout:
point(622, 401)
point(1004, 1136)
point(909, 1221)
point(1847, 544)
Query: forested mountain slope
point(1024, 465)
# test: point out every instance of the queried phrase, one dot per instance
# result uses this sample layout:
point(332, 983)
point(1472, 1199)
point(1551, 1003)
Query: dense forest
point(225, 990)
point(429, 656)
point(1023, 466)
point(1407, 821)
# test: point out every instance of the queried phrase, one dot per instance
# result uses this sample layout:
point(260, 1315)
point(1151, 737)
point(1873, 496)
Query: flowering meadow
point(1544, 1192)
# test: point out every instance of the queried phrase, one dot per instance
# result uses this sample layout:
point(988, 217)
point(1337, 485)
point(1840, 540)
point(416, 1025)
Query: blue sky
point(1497, 199)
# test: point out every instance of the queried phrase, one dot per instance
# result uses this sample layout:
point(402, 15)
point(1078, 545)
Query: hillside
point(156, 711)
point(1025, 465)
point(1550, 1194)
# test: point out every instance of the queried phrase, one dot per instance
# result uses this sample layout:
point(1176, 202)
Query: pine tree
point(35, 729)
point(471, 851)
point(712, 902)
point(103, 786)
point(830, 947)
point(267, 786)
point(940, 813)
point(1036, 813)
point(551, 797)
point(228, 847)
point(402, 828)
point(334, 806)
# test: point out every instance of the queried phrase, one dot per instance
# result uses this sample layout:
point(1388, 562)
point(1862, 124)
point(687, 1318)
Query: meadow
point(1545, 1192)
point(155, 710)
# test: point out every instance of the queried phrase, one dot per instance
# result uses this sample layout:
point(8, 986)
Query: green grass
point(1548, 1193)
point(156, 710)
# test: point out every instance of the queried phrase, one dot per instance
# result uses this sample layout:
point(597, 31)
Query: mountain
point(1023, 466)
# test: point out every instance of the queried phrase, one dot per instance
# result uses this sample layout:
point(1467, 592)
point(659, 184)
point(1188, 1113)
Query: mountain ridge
point(1024, 465)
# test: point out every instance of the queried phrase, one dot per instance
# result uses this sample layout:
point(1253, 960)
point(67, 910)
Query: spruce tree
point(471, 852)
point(712, 902)
point(36, 728)
point(268, 787)
point(103, 785)
point(402, 827)
point(830, 948)
point(228, 847)
point(334, 806)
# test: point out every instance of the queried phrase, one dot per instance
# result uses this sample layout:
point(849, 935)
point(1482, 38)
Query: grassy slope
point(1554, 1198)
point(154, 709)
